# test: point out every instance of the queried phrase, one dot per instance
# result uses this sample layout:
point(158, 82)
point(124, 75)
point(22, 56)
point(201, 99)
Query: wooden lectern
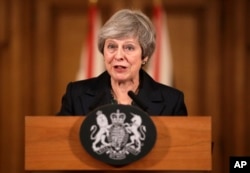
point(183, 144)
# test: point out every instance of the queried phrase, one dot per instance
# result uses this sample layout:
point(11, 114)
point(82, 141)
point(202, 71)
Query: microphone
point(97, 101)
point(138, 101)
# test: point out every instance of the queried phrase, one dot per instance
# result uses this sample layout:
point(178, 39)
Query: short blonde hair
point(129, 23)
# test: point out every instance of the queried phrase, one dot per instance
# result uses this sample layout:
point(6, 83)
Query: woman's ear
point(144, 60)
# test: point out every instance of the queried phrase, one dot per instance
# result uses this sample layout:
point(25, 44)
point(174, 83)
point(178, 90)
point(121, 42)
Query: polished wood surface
point(52, 143)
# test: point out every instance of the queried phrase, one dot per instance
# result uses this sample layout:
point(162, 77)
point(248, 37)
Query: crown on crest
point(118, 117)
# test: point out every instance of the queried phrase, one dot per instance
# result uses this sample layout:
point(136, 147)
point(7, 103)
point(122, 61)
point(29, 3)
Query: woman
point(127, 41)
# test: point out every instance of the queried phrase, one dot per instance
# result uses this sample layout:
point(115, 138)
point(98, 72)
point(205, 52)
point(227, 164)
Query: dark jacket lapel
point(98, 93)
point(150, 94)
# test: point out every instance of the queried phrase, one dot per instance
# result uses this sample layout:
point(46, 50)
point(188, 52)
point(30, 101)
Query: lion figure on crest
point(103, 132)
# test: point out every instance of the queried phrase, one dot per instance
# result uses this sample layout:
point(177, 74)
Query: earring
point(144, 62)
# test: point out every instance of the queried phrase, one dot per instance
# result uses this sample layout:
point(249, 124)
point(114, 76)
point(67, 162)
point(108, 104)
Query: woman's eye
point(129, 48)
point(111, 46)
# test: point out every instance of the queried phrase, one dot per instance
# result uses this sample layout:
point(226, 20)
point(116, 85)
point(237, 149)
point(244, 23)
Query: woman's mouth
point(120, 68)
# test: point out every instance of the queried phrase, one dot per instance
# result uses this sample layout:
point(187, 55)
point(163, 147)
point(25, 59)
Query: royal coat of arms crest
point(118, 133)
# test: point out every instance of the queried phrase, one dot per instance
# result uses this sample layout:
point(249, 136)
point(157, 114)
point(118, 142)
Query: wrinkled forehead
point(123, 39)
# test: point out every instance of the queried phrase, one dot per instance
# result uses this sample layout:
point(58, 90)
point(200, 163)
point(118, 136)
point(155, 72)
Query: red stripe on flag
point(158, 19)
point(90, 43)
point(91, 63)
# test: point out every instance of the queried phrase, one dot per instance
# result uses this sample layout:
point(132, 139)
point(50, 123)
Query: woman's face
point(123, 58)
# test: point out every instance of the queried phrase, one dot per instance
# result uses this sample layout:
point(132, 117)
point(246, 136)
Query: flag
point(91, 60)
point(160, 67)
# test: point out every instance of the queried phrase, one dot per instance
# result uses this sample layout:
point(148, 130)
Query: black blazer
point(83, 96)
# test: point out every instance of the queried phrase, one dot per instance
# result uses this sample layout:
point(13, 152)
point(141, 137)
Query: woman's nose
point(119, 54)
